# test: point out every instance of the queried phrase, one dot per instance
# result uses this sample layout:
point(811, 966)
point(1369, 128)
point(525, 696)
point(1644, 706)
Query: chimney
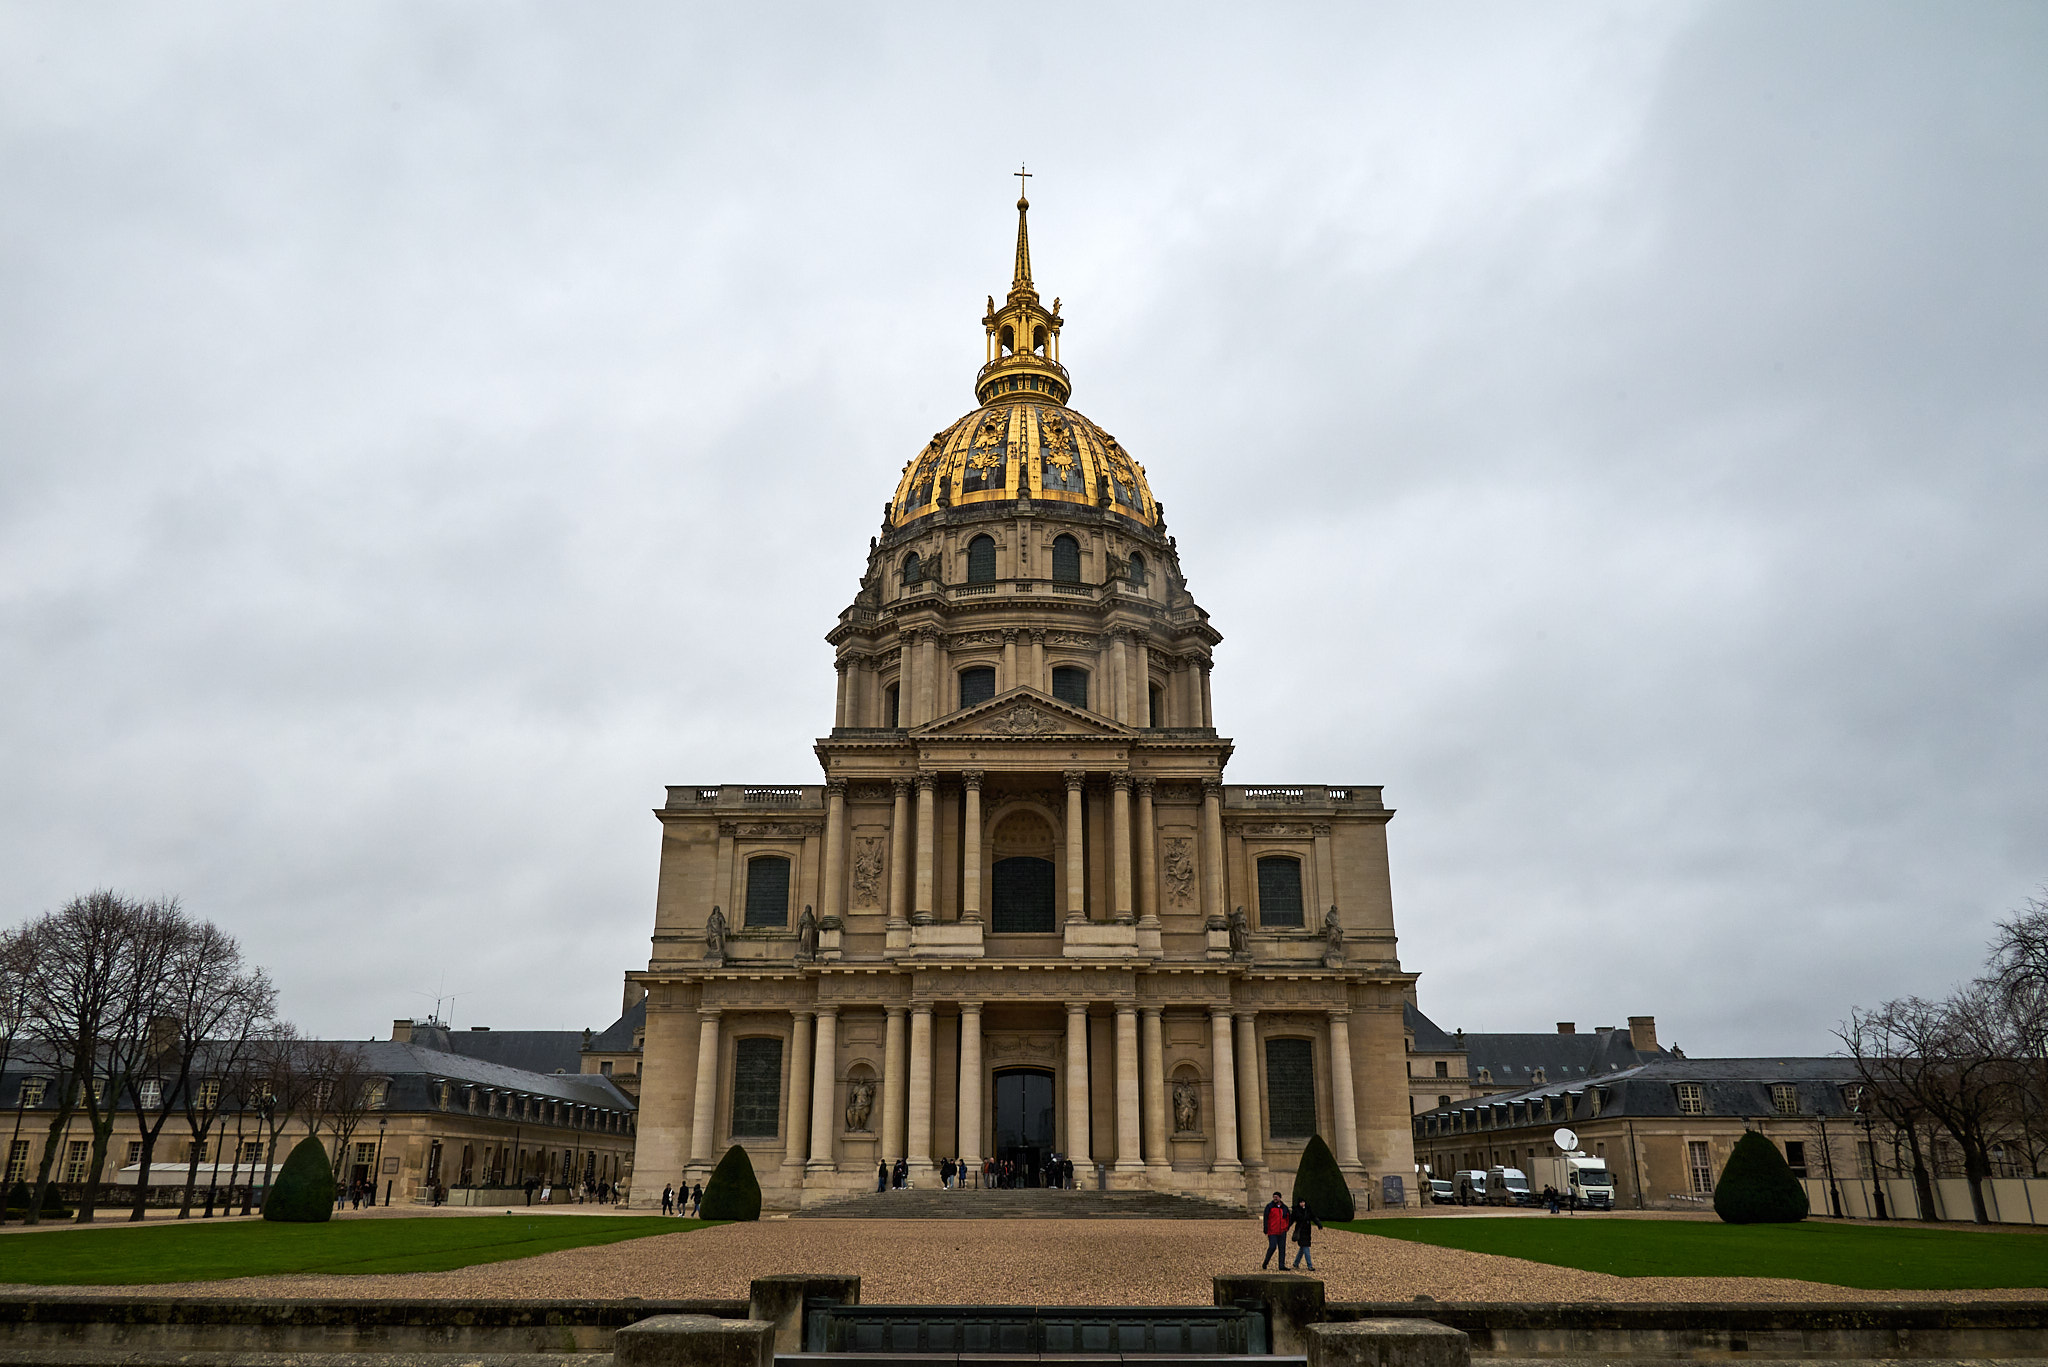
point(401, 1031)
point(1603, 1029)
point(163, 1035)
point(1642, 1033)
point(1567, 1028)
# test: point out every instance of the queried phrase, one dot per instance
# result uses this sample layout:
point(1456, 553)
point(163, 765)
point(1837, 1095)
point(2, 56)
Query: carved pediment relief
point(1022, 714)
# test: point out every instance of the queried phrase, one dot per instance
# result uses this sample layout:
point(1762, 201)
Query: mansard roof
point(1729, 1087)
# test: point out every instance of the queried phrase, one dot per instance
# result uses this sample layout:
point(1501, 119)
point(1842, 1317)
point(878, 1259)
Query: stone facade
point(1023, 884)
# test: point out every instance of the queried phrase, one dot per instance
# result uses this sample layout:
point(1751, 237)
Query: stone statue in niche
point(806, 936)
point(714, 934)
point(1187, 1107)
point(867, 871)
point(1240, 935)
point(1180, 870)
point(1333, 939)
point(860, 1103)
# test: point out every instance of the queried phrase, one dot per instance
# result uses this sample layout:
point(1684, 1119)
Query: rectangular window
point(1785, 1098)
point(1692, 1098)
point(32, 1089)
point(77, 1160)
point(1070, 685)
point(17, 1161)
point(1290, 1088)
point(252, 1152)
point(208, 1095)
point(1795, 1157)
point(976, 686)
point(134, 1153)
point(1701, 1167)
point(1865, 1164)
point(1280, 891)
point(768, 891)
point(1443, 1069)
point(151, 1092)
point(366, 1154)
point(757, 1088)
point(605, 1067)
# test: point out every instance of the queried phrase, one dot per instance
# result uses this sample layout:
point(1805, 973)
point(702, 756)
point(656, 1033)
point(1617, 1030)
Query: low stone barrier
point(694, 1341)
point(1387, 1343)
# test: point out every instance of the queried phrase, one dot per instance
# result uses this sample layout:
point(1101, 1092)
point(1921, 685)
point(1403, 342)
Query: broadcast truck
point(1574, 1174)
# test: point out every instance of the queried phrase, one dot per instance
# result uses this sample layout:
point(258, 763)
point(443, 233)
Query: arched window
point(1290, 1088)
point(890, 697)
point(768, 891)
point(1007, 340)
point(913, 568)
point(1136, 569)
point(1070, 685)
point(756, 1087)
point(1038, 341)
point(981, 560)
point(977, 685)
point(1155, 706)
point(1066, 560)
point(1280, 890)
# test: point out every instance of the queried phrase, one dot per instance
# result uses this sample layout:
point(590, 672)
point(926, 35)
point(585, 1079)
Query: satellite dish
point(1565, 1140)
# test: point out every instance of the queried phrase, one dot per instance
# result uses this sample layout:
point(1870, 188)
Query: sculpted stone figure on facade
point(860, 1104)
point(1180, 870)
point(1240, 935)
point(1187, 1107)
point(867, 870)
point(1023, 720)
point(1333, 940)
point(807, 936)
point(714, 934)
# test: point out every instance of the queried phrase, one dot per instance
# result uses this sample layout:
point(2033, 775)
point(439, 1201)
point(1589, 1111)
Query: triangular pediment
point(1021, 713)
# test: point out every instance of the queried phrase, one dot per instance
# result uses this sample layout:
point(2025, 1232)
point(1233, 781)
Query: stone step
point(1026, 1204)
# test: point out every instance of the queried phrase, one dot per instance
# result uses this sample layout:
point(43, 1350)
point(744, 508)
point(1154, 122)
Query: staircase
point(930, 1203)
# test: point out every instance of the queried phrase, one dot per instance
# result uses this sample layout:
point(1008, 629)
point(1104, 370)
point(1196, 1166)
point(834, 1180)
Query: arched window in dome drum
point(1007, 340)
point(768, 891)
point(1135, 572)
point(890, 701)
point(977, 685)
point(1155, 705)
point(1280, 890)
point(913, 568)
point(1038, 340)
point(981, 560)
point(1070, 685)
point(1066, 560)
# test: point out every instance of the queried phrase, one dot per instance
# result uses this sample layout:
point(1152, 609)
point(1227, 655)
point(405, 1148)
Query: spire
point(1021, 280)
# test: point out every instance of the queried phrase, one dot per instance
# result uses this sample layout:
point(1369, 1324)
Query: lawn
point(1885, 1257)
point(128, 1255)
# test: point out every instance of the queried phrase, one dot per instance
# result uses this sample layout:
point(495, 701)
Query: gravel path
point(1018, 1262)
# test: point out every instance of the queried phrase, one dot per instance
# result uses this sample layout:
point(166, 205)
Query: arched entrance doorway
point(1024, 1122)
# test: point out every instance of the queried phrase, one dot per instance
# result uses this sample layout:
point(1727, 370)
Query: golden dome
point(1023, 442)
point(1016, 448)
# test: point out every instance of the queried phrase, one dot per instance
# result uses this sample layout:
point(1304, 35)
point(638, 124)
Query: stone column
point(1223, 1086)
point(1148, 857)
point(1342, 1095)
point(1251, 1128)
point(928, 682)
point(1326, 882)
point(1077, 1086)
point(945, 688)
point(832, 896)
point(920, 1086)
point(1212, 849)
point(1008, 678)
point(893, 1091)
point(839, 706)
point(796, 1135)
point(970, 1083)
point(1109, 700)
point(899, 855)
point(1120, 849)
point(1129, 1157)
point(824, 1124)
point(1141, 682)
point(704, 1118)
point(921, 909)
point(970, 850)
point(1039, 680)
point(906, 678)
point(1077, 887)
point(1154, 1079)
point(1208, 705)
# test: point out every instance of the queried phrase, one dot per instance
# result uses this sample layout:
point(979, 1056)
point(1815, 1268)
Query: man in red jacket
point(1276, 1219)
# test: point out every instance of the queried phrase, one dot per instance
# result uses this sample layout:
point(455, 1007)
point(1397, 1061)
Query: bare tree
point(348, 1091)
point(224, 1007)
point(279, 1057)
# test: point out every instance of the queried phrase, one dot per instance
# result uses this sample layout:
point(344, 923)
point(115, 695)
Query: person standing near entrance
point(1275, 1221)
point(668, 1199)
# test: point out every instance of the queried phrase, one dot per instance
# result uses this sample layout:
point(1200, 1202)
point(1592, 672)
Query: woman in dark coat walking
point(1303, 1218)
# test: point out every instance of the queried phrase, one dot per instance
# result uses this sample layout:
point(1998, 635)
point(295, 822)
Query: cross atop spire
point(1021, 279)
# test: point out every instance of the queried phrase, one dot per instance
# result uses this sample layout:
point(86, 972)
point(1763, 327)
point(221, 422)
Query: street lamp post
point(1870, 1148)
point(382, 1120)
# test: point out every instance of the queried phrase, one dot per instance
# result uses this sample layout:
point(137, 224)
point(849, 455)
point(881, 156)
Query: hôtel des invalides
point(1023, 914)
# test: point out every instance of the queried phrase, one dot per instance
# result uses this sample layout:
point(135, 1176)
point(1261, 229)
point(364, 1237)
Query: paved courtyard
point(1020, 1262)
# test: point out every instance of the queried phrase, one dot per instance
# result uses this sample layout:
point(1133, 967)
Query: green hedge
point(1757, 1188)
point(18, 1198)
point(733, 1193)
point(1321, 1183)
point(304, 1190)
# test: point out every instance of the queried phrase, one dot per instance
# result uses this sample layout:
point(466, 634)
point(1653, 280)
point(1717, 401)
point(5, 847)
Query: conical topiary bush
point(304, 1190)
point(733, 1193)
point(1757, 1188)
point(1321, 1183)
point(18, 1198)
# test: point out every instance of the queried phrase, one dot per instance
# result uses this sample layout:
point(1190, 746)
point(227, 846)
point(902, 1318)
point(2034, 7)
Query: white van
point(1469, 1187)
point(1508, 1187)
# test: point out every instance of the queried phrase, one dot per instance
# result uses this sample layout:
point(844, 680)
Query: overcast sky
point(1621, 431)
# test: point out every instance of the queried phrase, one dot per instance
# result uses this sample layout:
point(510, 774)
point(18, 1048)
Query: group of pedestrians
point(674, 1199)
point(994, 1174)
point(1278, 1221)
